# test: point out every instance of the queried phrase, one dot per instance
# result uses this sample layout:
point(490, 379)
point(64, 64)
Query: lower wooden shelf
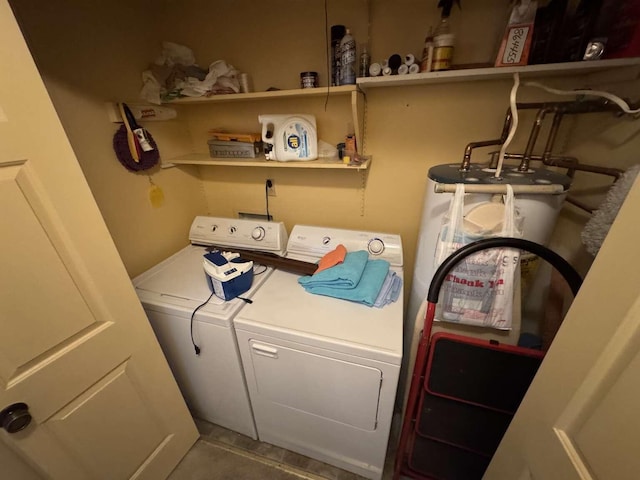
point(204, 159)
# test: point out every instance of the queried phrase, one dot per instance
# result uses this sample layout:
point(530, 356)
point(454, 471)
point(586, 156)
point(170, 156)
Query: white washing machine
point(322, 372)
point(212, 382)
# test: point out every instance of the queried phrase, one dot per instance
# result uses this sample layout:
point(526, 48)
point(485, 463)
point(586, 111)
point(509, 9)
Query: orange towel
point(331, 259)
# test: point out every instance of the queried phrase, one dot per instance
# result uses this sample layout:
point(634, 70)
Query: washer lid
point(180, 275)
point(178, 285)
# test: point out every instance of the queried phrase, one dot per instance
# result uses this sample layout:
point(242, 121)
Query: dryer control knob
point(214, 228)
point(376, 246)
point(232, 230)
point(258, 233)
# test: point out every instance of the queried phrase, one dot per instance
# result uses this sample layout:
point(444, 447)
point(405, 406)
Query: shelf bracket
point(357, 112)
point(141, 112)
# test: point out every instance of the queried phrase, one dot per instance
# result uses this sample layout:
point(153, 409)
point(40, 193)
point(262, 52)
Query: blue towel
point(344, 275)
point(366, 291)
point(390, 290)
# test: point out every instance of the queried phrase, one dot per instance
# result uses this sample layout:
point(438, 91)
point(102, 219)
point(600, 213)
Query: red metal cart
point(465, 391)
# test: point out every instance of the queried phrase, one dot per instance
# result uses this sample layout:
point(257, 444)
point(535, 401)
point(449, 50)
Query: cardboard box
point(516, 43)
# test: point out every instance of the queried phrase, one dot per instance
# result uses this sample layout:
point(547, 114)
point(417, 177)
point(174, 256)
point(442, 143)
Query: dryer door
point(320, 402)
point(326, 387)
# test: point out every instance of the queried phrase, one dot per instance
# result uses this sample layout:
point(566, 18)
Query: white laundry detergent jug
point(289, 137)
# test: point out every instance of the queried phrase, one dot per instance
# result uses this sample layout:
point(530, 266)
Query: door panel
point(82, 426)
point(31, 261)
point(579, 418)
point(604, 411)
point(75, 344)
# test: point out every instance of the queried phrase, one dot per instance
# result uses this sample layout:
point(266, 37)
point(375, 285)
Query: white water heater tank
point(539, 211)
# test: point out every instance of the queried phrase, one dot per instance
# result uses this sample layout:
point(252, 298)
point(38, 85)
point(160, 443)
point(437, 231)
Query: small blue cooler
point(227, 274)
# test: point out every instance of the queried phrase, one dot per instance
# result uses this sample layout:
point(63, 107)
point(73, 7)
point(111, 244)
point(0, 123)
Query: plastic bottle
point(443, 41)
point(365, 59)
point(348, 59)
point(427, 54)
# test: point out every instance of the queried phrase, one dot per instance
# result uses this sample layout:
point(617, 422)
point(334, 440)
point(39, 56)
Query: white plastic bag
point(479, 290)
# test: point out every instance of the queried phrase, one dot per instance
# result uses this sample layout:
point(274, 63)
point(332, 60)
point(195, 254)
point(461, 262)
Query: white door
point(75, 346)
point(581, 416)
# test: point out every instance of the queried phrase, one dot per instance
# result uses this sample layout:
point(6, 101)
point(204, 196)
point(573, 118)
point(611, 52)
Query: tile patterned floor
point(217, 434)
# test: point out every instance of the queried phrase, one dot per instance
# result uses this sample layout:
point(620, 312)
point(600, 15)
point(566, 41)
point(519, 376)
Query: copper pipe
point(533, 137)
point(571, 163)
point(466, 159)
point(553, 133)
point(560, 108)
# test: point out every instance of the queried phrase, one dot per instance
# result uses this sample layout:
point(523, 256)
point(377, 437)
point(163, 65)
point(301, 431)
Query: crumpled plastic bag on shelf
point(175, 74)
point(326, 150)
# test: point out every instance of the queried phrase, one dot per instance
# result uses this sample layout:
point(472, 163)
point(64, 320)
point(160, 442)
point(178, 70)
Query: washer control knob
point(326, 240)
point(214, 228)
point(232, 230)
point(258, 233)
point(375, 246)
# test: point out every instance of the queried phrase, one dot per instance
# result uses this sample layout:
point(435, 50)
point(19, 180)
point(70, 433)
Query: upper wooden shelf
point(275, 94)
point(204, 159)
point(496, 73)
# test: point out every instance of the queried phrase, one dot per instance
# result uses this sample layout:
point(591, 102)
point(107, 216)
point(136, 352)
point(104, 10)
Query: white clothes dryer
point(322, 372)
point(212, 382)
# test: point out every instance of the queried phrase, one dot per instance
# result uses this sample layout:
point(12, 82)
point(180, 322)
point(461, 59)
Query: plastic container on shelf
point(365, 60)
point(426, 62)
point(443, 41)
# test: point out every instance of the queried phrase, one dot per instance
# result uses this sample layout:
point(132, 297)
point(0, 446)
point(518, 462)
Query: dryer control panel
point(311, 243)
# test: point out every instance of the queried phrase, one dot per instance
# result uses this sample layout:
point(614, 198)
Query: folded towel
point(390, 290)
point(367, 289)
point(331, 259)
point(345, 275)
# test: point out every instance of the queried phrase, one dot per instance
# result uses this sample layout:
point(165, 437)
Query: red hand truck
point(465, 391)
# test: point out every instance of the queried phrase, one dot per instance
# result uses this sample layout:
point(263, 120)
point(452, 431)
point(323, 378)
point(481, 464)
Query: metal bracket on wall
point(146, 113)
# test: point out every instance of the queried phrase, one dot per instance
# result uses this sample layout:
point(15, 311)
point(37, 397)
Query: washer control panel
point(239, 233)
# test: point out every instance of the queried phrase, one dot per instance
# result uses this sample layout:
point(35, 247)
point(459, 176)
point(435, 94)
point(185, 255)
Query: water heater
point(539, 195)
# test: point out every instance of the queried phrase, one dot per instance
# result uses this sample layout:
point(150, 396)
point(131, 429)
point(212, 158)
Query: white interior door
point(75, 346)
point(579, 419)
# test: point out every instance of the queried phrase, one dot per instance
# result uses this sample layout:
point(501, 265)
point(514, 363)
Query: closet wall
point(91, 55)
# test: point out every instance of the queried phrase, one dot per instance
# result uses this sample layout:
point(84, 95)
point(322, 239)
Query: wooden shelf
point(275, 94)
point(352, 92)
point(496, 73)
point(204, 159)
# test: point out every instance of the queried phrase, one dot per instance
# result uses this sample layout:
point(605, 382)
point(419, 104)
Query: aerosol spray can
point(348, 59)
point(337, 32)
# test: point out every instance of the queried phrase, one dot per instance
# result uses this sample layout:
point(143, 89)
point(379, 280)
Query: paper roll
point(409, 59)
point(414, 68)
point(386, 71)
point(375, 69)
point(403, 69)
